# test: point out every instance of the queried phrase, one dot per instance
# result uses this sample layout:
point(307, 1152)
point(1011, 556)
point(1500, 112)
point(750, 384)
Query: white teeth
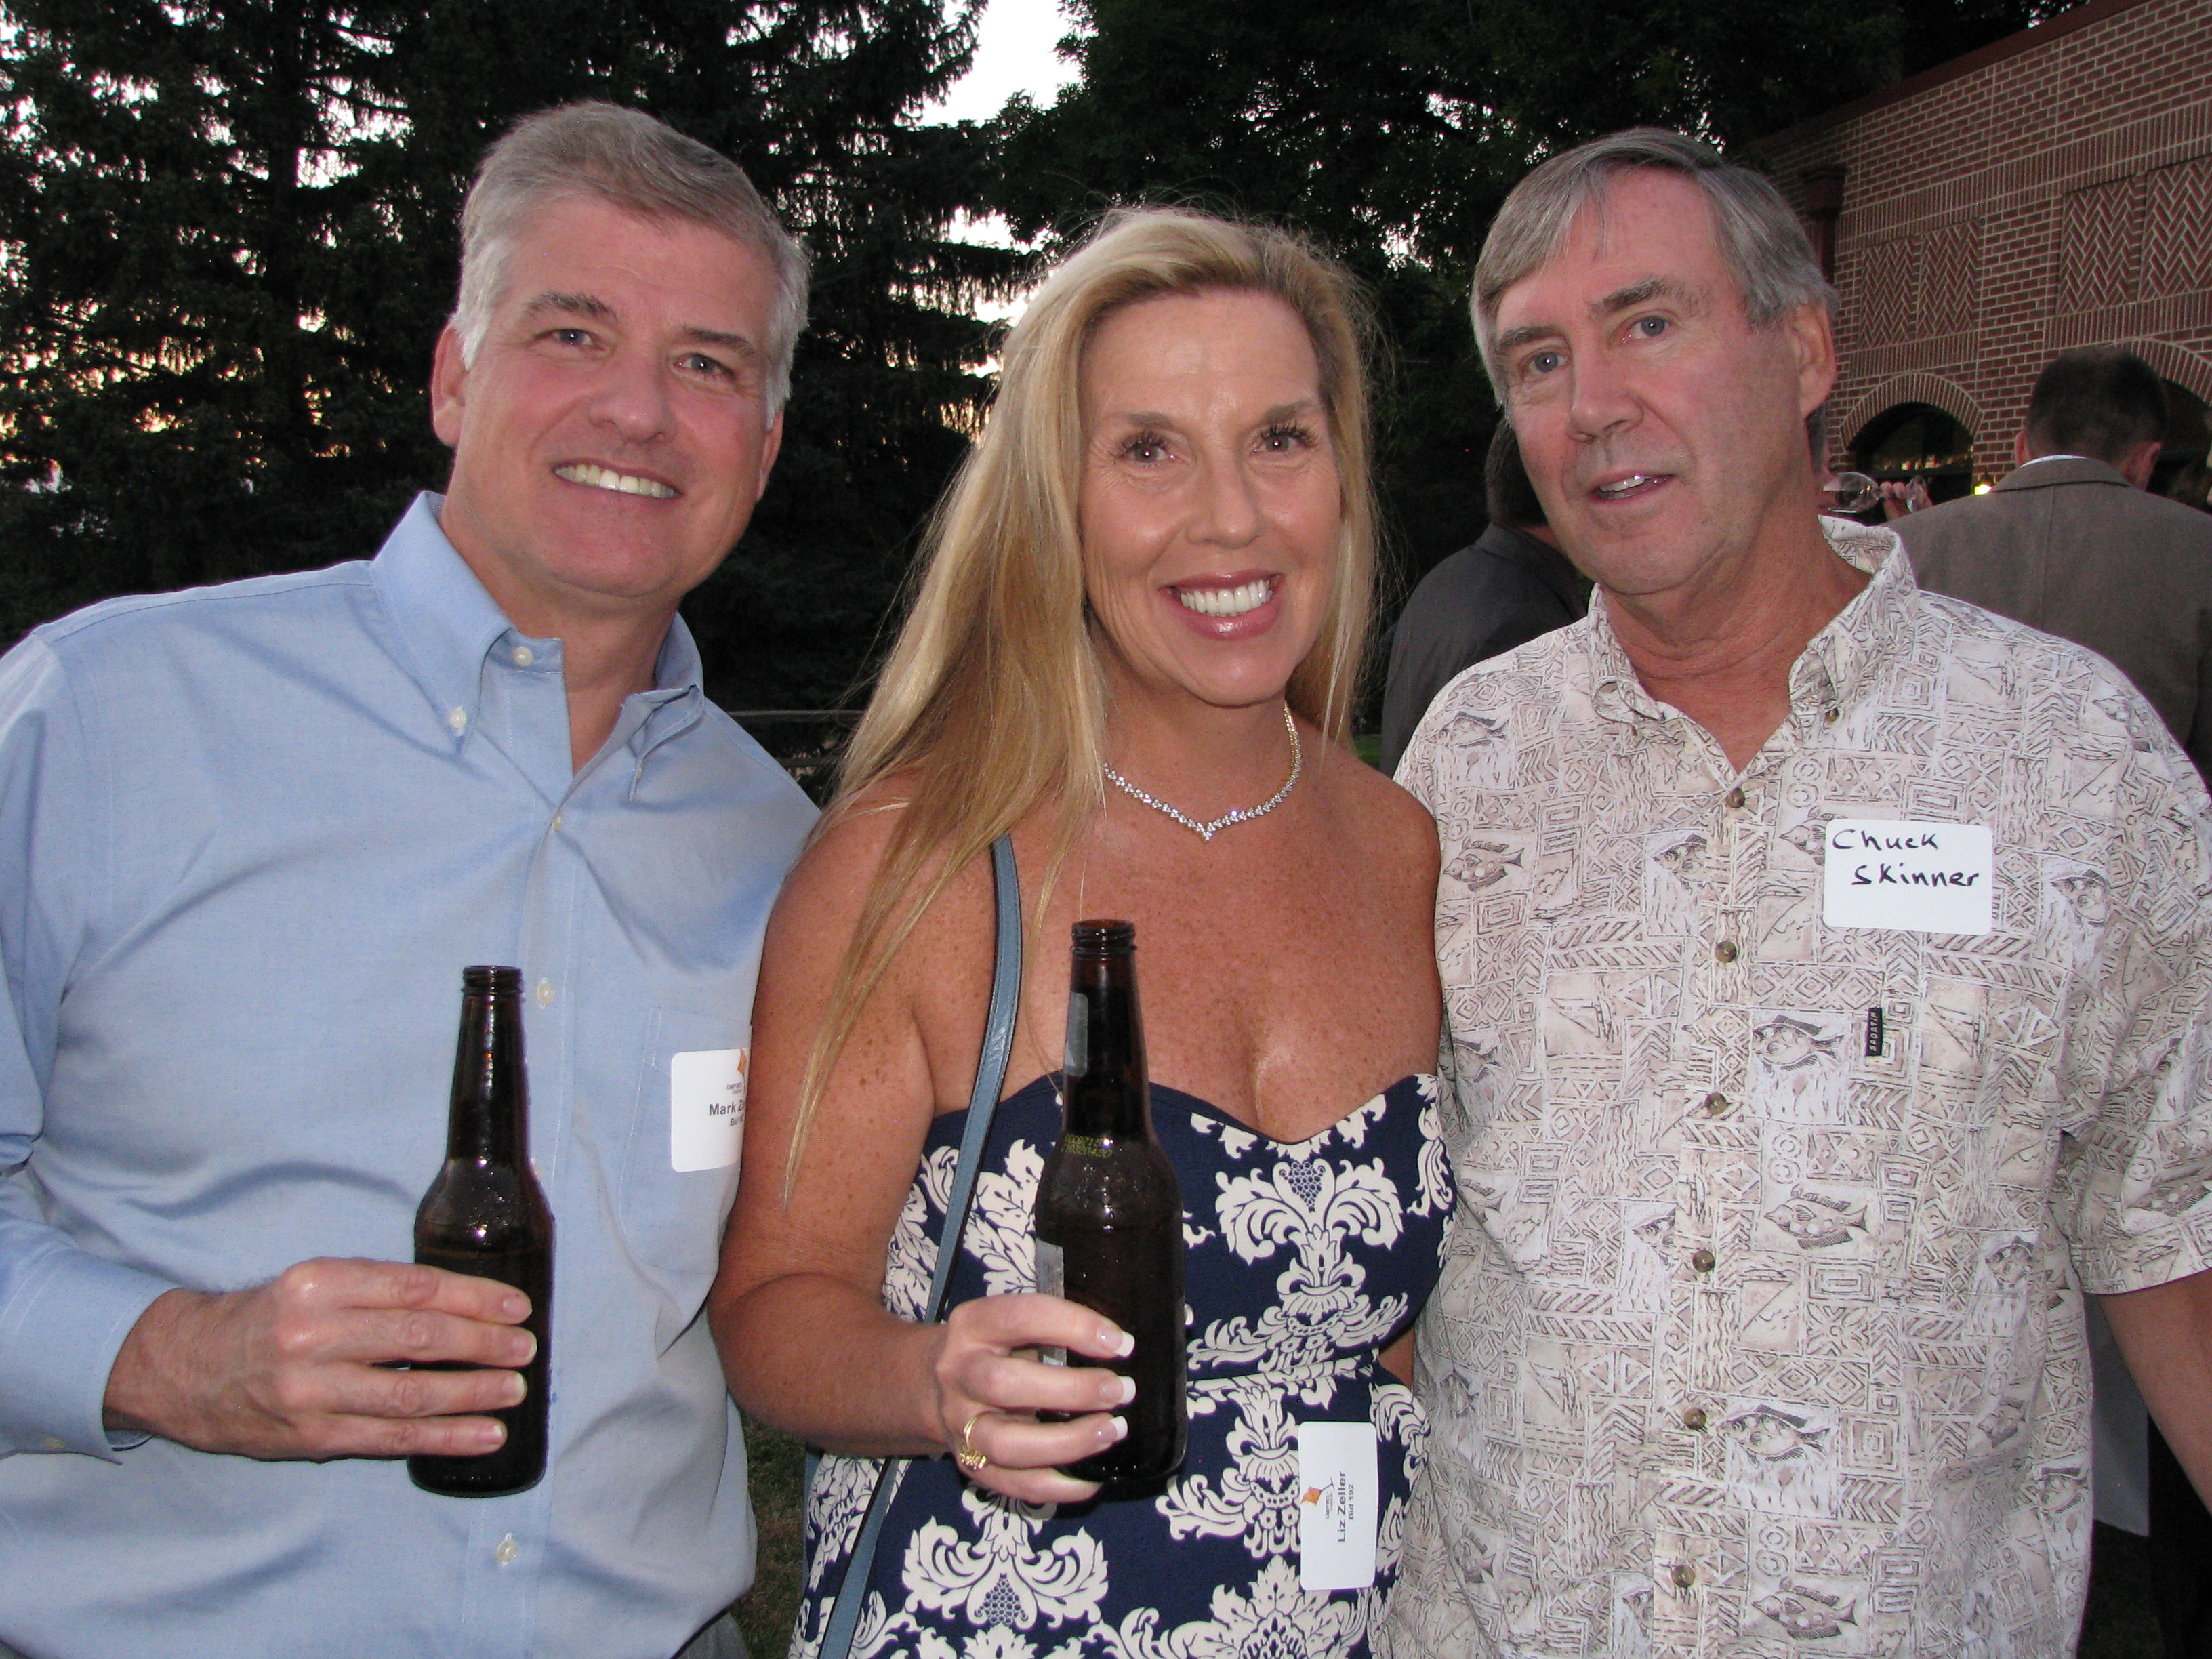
point(1226, 601)
point(599, 477)
point(1626, 484)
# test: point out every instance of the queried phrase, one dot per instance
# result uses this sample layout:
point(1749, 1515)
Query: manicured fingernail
point(491, 1436)
point(522, 1351)
point(1127, 1392)
point(1120, 1429)
point(517, 1386)
point(515, 1306)
point(1117, 1342)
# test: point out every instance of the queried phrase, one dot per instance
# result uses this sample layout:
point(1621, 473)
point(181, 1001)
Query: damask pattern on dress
point(1760, 1331)
point(1304, 1259)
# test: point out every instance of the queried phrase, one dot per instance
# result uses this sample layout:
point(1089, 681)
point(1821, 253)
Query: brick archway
point(2177, 363)
point(1915, 388)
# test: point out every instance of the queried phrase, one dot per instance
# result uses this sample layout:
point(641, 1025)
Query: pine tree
point(229, 227)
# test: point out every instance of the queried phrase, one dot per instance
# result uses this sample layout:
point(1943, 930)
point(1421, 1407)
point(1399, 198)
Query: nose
point(1601, 402)
point(632, 400)
point(1228, 506)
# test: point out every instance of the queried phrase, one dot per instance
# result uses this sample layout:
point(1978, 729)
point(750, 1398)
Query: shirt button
point(1735, 799)
point(1694, 1419)
point(1832, 716)
point(545, 993)
point(1684, 1575)
point(1716, 1105)
point(509, 1549)
point(1703, 1260)
point(1724, 952)
point(556, 821)
point(458, 719)
point(522, 656)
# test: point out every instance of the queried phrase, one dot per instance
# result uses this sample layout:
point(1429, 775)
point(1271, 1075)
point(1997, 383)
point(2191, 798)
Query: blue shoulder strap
point(982, 1105)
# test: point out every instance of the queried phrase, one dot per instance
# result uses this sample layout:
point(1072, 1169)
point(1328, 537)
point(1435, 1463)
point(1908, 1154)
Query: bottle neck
point(1105, 1087)
point(487, 1124)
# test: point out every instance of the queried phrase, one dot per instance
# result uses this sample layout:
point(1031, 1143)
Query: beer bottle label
point(1051, 1280)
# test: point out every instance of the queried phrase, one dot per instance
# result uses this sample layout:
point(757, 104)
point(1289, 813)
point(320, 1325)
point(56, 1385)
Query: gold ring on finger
point(966, 1454)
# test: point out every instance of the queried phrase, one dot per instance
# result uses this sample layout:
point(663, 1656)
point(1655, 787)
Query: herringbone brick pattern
point(2102, 246)
point(1950, 262)
point(2178, 229)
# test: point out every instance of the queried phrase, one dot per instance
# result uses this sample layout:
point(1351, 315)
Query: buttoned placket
point(1717, 1175)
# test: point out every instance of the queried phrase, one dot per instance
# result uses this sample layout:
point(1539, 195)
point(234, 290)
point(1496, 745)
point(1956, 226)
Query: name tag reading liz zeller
point(706, 1109)
point(1910, 876)
point(1338, 1493)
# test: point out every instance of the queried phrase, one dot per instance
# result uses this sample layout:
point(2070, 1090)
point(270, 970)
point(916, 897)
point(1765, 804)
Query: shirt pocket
point(680, 1168)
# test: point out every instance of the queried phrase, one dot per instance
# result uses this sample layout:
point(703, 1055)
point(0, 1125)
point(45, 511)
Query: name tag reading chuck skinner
point(706, 1109)
point(1912, 878)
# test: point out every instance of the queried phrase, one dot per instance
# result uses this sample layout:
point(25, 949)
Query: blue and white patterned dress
point(1305, 1259)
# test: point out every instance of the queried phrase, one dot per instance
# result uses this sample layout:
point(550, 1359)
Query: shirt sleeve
point(64, 1311)
point(2135, 1067)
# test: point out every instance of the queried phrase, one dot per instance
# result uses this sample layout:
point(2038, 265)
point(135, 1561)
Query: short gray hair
point(1762, 242)
point(641, 165)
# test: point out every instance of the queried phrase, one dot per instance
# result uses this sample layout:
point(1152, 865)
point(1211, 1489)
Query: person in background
point(251, 834)
point(1510, 586)
point(2073, 543)
point(1827, 967)
point(1135, 648)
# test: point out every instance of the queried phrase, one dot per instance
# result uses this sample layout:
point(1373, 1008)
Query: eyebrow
point(591, 305)
point(1280, 412)
point(1612, 305)
point(570, 304)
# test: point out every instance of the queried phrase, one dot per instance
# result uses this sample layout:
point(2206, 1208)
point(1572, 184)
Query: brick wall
point(2053, 191)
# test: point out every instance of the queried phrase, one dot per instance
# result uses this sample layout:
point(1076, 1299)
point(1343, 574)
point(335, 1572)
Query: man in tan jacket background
point(2073, 543)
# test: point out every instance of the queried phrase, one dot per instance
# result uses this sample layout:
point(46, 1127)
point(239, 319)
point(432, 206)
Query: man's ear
point(2019, 455)
point(449, 378)
point(770, 448)
point(2141, 461)
point(1813, 341)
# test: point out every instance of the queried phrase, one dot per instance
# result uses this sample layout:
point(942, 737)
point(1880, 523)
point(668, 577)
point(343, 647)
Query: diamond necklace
point(1208, 831)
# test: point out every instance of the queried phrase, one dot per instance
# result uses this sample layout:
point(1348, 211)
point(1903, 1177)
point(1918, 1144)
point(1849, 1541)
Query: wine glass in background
point(1855, 493)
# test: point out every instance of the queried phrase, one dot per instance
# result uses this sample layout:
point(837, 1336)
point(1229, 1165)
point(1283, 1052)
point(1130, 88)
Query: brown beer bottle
point(1108, 1217)
point(486, 1215)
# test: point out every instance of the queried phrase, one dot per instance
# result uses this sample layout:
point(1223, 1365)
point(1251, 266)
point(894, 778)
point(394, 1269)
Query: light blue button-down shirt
point(249, 836)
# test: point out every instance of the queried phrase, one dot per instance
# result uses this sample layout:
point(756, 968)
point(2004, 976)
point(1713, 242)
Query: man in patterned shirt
point(1828, 967)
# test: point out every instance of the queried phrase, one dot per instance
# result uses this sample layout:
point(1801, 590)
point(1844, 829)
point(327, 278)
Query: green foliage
point(229, 235)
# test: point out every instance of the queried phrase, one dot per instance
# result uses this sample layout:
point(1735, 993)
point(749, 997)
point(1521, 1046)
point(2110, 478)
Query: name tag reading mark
point(1339, 1493)
point(706, 1109)
point(1906, 876)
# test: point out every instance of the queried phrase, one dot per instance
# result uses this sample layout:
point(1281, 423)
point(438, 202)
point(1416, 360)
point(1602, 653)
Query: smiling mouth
point(624, 483)
point(1226, 601)
point(1622, 488)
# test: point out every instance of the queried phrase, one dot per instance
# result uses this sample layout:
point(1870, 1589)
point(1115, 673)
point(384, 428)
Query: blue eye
point(1542, 364)
point(1651, 327)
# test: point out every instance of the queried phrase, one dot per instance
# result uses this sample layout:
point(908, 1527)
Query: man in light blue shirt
point(250, 835)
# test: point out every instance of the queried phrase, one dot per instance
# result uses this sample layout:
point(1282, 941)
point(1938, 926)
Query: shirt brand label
point(1906, 876)
point(1339, 1491)
point(706, 1109)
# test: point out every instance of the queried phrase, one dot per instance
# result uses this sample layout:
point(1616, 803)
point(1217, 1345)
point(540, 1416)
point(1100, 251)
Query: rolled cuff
point(59, 1334)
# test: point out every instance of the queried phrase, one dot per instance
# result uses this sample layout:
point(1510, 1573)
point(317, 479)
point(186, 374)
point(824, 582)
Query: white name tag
point(1338, 1495)
point(1914, 877)
point(706, 1109)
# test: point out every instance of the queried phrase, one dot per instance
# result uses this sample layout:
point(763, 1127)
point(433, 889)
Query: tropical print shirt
point(1760, 1325)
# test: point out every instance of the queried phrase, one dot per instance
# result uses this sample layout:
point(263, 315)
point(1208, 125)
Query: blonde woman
point(1133, 649)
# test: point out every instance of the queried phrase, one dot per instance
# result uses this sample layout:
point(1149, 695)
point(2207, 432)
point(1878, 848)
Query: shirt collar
point(1837, 665)
point(450, 624)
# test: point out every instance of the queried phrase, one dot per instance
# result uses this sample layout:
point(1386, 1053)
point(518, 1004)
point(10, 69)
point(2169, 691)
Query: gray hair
point(641, 165)
point(1762, 242)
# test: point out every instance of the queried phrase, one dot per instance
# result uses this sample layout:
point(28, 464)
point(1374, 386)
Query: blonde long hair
point(992, 704)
